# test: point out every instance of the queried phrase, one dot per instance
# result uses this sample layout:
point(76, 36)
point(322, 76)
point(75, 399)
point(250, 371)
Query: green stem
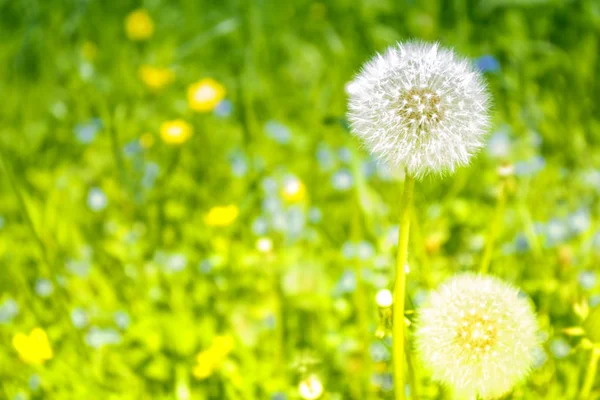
point(399, 288)
point(590, 374)
point(494, 230)
point(412, 373)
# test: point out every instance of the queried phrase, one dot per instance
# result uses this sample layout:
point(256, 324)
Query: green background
point(131, 291)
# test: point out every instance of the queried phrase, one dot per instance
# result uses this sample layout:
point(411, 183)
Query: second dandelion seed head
point(477, 335)
point(421, 107)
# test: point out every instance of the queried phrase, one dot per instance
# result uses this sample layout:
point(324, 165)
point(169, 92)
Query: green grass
point(141, 286)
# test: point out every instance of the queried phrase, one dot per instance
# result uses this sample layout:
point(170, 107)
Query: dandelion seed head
point(420, 106)
point(477, 335)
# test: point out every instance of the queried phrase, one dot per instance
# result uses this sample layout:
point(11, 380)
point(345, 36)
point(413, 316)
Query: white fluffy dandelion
point(421, 107)
point(477, 335)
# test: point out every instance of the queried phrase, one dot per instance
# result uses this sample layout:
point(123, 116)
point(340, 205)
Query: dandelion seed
point(421, 107)
point(477, 335)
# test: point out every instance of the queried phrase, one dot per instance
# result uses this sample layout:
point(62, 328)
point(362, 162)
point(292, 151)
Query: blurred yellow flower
point(139, 25)
point(147, 140)
point(156, 78)
point(222, 345)
point(293, 190)
point(203, 369)
point(175, 132)
point(207, 361)
point(204, 95)
point(34, 348)
point(221, 215)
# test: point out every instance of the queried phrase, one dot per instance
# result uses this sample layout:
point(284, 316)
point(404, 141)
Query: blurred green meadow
point(184, 214)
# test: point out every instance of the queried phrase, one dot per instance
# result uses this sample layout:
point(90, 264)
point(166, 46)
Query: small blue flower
point(499, 145)
point(379, 352)
point(364, 250)
point(79, 317)
point(80, 268)
point(315, 215)
point(2, 222)
point(176, 262)
point(270, 322)
point(205, 266)
point(342, 180)
point(278, 132)
point(43, 287)
point(345, 155)
point(278, 396)
point(8, 310)
point(269, 186)
point(132, 148)
point(97, 200)
point(579, 221)
point(521, 243)
point(348, 250)
point(555, 232)
point(487, 63)
point(560, 348)
point(122, 319)
point(223, 109)
point(99, 337)
point(325, 157)
point(151, 171)
point(591, 178)
point(587, 279)
point(34, 382)
point(346, 284)
point(239, 164)
point(260, 226)
point(369, 168)
point(530, 167)
point(272, 205)
point(279, 221)
point(296, 220)
point(86, 132)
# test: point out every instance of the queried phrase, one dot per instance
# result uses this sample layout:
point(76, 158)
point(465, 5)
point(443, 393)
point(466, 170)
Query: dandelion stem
point(590, 374)
point(412, 373)
point(494, 230)
point(399, 287)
